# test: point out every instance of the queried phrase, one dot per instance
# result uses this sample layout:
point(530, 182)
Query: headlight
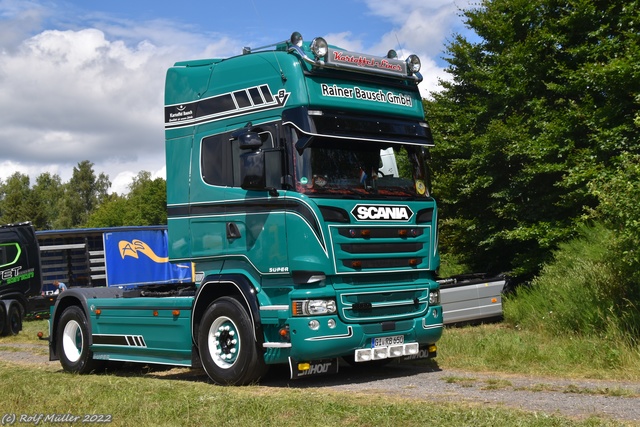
point(314, 307)
point(434, 297)
point(413, 64)
point(319, 47)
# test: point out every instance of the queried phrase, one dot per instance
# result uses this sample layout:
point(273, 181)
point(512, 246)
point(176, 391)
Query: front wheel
point(72, 342)
point(228, 350)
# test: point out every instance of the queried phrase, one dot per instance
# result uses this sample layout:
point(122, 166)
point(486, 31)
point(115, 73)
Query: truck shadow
point(278, 375)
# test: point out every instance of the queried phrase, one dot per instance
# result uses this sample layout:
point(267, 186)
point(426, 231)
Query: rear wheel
point(14, 320)
point(3, 319)
point(228, 350)
point(72, 341)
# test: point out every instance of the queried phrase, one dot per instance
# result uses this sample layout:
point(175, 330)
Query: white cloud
point(70, 96)
point(94, 91)
point(421, 28)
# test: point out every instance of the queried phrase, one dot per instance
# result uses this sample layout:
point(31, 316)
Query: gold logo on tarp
point(136, 246)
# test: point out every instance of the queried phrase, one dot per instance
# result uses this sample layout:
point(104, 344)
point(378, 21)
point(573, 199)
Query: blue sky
point(83, 79)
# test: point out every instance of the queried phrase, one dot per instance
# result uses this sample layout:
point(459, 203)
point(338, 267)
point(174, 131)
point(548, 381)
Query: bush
point(580, 292)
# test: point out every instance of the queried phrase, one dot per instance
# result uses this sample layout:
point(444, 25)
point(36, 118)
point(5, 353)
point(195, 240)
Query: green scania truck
point(297, 187)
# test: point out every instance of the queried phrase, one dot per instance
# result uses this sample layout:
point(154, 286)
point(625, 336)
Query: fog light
point(380, 353)
point(314, 325)
point(434, 297)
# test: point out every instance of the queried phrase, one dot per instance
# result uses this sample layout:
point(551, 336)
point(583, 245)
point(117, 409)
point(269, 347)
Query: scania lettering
point(298, 191)
point(398, 213)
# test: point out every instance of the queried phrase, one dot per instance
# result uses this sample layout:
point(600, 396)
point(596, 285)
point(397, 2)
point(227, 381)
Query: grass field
point(139, 399)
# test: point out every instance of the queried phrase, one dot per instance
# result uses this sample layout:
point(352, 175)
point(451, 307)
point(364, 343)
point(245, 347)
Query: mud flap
point(312, 368)
point(423, 353)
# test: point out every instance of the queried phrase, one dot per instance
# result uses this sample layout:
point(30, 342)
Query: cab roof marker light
point(296, 39)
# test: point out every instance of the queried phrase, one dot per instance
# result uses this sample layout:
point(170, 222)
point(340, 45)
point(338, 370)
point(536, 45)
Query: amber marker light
point(365, 233)
point(413, 262)
point(356, 264)
point(98, 312)
point(176, 312)
point(304, 366)
point(155, 313)
point(403, 233)
point(284, 333)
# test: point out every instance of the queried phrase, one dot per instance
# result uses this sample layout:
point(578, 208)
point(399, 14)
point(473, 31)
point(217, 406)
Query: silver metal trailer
point(472, 297)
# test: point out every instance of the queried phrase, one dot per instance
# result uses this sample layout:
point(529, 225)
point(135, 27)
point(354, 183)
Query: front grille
point(367, 248)
point(372, 306)
point(360, 249)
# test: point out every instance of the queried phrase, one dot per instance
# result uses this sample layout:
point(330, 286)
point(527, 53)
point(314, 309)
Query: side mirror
point(249, 140)
point(261, 170)
point(252, 171)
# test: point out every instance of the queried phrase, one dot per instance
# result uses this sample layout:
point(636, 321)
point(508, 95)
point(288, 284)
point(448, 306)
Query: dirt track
point(617, 400)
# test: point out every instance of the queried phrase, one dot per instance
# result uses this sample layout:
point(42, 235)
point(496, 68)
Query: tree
point(148, 200)
point(44, 197)
point(14, 199)
point(82, 195)
point(538, 108)
point(145, 204)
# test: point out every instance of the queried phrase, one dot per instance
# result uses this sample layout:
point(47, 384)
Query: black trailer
point(20, 274)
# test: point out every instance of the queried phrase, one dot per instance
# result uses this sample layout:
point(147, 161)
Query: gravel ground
point(574, 398)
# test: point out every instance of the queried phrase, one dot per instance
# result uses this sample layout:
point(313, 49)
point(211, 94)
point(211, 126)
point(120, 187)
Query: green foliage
point(83, 194)
point(618, 193)
point(145, 204)
point(14, 197)
point(83, 201)
point(539, 107)
point(580, 293)
point(519, 350)
point(45, 197)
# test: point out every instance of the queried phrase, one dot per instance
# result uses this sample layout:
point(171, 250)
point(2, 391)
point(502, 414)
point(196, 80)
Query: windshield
point(365, 169)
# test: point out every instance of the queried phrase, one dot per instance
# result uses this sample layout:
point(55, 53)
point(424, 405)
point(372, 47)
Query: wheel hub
point(225, 342)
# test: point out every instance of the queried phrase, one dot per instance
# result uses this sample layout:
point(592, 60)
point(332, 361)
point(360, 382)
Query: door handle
point(233, 232)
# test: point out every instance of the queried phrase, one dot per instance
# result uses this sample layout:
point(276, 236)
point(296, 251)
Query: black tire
point(3, 320)
point(72, 342)
point(227, 347)
point(14, 320)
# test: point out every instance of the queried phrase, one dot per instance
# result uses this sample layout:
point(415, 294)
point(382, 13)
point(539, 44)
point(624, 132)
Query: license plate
point(387, 341)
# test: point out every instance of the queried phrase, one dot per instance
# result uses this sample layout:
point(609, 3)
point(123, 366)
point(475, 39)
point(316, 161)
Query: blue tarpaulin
point(141, 257)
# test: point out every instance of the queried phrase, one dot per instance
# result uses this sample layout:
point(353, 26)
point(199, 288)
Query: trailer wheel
point(72, 340)
point(227, 347)
point(3, 319)
point(14, 320)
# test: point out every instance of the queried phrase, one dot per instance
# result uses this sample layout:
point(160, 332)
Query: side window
point(9, 254)
point(219, 160)
point(220, 156)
